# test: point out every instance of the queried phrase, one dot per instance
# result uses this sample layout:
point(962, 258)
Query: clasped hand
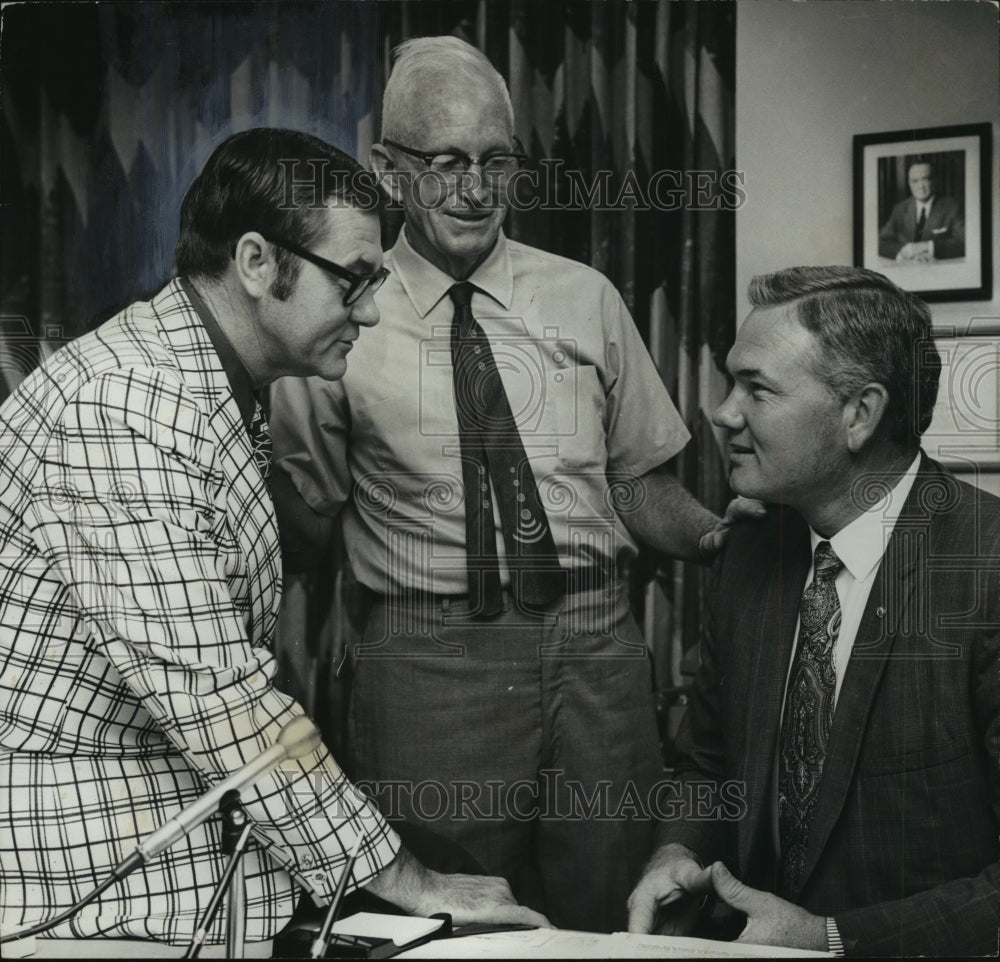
point(674, 887)
point(920, 251)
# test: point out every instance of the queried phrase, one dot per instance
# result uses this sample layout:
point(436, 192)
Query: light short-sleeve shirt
point(587, 399)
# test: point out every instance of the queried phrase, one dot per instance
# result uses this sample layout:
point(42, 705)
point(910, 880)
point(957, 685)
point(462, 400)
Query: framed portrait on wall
point(922, 210)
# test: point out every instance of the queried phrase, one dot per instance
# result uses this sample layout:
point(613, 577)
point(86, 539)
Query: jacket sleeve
point(134, 519)
point(892, 236)
point(949, 236)
point(960, 917)
point(701, 766)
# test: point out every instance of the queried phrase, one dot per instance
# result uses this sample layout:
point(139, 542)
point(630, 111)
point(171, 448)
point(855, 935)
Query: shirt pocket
point(570, 419)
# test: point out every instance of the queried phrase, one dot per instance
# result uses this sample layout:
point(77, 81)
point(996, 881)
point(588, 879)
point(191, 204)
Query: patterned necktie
point(491, 448)
point(805, 731)
point(260, 438)
point(921, 222)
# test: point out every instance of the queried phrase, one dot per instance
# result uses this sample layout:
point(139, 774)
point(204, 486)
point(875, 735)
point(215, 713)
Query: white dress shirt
point(860, 546)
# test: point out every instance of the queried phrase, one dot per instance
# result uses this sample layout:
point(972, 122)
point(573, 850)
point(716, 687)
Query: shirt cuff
point(834, 943)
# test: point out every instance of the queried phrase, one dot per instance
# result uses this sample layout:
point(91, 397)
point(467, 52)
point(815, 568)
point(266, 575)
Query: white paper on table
point(566, 944)
point(402, 929)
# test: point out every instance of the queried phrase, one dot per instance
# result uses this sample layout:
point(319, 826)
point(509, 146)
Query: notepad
point(400, 929)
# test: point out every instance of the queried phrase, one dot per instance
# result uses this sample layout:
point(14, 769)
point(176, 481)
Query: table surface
point(567, 944)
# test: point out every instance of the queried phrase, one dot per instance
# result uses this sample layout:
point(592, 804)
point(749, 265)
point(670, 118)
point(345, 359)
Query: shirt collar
point(861, 544)
point(240, 382)
point(426, 284)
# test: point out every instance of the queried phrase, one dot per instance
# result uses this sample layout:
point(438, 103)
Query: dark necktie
point(805, 730)
point(260, 438)
point(491, 448)
point(921, 223)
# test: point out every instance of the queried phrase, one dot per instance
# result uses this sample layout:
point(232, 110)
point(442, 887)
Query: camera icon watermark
point(22, 352)
point(22, 349)
point(970, 384)
point(539, 375)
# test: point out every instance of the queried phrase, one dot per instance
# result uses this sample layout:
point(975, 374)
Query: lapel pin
point(880, 611)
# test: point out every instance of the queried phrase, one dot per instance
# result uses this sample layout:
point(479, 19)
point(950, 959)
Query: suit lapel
point(771, 637)
point(256, 587)
point(891, 598)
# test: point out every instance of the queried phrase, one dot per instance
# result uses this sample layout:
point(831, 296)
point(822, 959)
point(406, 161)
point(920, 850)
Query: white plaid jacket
point(139, 587)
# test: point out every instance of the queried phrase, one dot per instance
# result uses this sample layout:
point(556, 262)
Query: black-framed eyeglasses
point(357, 284)
point(499, 164)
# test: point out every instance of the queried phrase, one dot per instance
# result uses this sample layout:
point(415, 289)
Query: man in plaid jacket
point(140, 574)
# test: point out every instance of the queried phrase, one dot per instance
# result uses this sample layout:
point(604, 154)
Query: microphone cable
point(299, 737)
point(119, 872)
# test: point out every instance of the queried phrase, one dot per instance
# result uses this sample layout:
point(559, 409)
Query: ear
point(380, 161)
point(863, 415)
point(255, 265)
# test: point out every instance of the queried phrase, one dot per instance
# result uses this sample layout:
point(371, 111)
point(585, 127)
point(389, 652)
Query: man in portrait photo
point(926, 226)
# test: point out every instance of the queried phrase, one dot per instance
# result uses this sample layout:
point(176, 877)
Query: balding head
point(445, 100)
point(429, 74)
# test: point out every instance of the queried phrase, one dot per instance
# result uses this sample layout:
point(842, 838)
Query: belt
point(580, 580)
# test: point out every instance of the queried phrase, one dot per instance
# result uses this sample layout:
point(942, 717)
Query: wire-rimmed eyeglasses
point(499, 164)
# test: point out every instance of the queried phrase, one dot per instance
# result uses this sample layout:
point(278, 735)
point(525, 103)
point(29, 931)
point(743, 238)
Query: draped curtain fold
point(110, 109)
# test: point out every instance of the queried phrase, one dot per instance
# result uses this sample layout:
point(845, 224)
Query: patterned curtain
point(110, 109)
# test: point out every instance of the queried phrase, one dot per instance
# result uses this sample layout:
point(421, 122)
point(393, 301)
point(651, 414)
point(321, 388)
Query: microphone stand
point(235, 836)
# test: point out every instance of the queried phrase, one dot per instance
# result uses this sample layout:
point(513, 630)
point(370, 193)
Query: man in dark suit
point(849, 687)
point(926, 226)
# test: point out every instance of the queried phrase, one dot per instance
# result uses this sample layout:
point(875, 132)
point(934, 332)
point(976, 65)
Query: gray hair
point(425, 62)
point(869, 330)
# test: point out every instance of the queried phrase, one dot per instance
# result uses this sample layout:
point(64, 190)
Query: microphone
point(299, 737)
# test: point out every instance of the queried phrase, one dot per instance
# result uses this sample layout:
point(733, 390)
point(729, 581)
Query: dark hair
point(271, 180)
point(914, 159)
point(869, 330)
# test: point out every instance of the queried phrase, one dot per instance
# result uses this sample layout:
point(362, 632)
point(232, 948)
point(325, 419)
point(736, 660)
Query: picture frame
point(922, 209)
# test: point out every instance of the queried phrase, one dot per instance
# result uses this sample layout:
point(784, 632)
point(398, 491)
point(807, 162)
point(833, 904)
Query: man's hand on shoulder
point(673, 886)
point(467, 898)
point(739, 509)
point(770, 920)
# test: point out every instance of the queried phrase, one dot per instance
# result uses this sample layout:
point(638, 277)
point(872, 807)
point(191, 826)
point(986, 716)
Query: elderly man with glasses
point(497, 448)
point(140, 578)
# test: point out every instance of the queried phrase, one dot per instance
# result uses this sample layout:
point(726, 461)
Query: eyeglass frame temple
point(355, 279)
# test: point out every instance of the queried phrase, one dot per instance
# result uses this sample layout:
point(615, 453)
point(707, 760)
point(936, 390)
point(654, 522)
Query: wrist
point(672, 850)
point(403, 882)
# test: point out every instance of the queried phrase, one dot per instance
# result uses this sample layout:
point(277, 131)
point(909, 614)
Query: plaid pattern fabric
point(139, 588)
